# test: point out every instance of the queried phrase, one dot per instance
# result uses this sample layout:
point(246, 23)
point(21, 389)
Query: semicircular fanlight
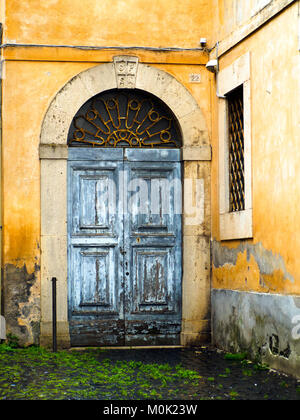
point(124, 118)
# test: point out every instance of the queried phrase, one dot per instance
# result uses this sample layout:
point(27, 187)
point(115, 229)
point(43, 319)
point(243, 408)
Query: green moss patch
point(35, 373)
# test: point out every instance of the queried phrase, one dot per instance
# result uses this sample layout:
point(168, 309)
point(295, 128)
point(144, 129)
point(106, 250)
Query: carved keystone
point(126, 69)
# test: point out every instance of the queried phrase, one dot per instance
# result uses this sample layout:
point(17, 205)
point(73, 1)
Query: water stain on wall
point(250, 268)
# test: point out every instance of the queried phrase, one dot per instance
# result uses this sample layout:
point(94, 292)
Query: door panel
point(152, 283)
point(152, 239)
point(124, 233)
point(94, 212)
point(94, 288)
point(96, 312)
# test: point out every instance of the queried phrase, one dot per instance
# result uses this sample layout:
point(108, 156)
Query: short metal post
point(54, 314)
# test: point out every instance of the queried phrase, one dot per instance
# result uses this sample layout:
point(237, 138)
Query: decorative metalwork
point(123, 118)
point(236, 150)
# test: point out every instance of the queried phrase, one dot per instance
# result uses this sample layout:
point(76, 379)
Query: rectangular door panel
point(94, 288)
point(152, 285)
point(94, 205)
point(154, 198)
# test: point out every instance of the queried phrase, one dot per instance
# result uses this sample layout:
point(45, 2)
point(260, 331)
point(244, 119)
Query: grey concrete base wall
point(266, 326)
point(2, 328)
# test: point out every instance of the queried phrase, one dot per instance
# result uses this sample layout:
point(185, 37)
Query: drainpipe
point(2, 319)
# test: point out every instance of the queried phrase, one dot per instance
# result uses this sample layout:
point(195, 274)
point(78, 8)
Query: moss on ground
point(35, 373)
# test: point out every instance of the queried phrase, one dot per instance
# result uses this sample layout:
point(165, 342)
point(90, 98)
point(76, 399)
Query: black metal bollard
point(54, 342)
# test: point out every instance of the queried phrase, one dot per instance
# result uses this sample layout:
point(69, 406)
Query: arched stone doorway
point(124, 222)
point(195, 153)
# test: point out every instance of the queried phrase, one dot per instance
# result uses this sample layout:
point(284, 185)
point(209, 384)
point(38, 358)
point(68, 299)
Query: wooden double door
point(124, 246)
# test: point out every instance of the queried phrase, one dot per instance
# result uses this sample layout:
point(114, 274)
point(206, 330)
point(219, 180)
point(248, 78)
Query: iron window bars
point(236, 149)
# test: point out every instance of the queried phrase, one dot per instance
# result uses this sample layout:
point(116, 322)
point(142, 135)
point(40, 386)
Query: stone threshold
point(126, 348)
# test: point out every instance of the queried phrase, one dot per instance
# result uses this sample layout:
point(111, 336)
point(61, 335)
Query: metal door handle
point(122, 251)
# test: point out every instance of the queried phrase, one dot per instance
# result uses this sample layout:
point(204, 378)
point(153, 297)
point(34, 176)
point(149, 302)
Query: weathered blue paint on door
point(124, 233)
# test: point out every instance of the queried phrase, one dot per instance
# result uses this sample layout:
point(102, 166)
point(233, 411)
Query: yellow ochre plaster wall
point(270, 261)
point(32, 76)
point(109, 22)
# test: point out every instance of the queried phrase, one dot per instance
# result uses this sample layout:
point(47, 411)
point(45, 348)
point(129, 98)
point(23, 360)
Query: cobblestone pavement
point(221, 377)
point(202, 373)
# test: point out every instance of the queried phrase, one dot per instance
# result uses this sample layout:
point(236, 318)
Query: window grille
point(236, 150)
point(124, 118)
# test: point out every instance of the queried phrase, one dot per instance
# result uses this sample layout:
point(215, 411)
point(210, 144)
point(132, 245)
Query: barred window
point(235, 158)
point(236, 150)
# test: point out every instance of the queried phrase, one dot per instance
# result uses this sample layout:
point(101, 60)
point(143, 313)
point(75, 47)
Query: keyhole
point(127, 274)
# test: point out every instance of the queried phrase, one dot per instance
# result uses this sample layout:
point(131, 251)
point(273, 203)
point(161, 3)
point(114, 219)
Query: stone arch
point(54, 154)
point(100, 78)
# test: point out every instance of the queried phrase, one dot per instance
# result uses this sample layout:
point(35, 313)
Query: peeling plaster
point(267, 261)
point(21, 296)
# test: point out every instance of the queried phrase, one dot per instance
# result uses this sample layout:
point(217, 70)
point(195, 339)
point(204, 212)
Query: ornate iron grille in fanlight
point(124, 118)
